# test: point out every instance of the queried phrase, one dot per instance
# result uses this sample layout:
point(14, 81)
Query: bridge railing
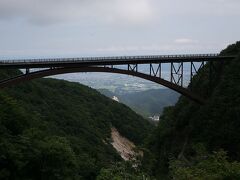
point(82, 59)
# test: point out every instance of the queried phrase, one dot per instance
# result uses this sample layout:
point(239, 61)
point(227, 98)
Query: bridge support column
point(194, 70)
point(27, 70)
point(177, 73)
point(157, 72)
point(211, 66)
point(133, 67)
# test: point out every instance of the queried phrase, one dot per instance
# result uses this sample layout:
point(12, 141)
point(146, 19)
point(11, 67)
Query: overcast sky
point(72, 28)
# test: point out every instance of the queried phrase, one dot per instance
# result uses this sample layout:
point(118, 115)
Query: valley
point(55, 129)
point(119, 90)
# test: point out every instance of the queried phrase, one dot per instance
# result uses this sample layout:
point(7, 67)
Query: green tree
point(215, 166)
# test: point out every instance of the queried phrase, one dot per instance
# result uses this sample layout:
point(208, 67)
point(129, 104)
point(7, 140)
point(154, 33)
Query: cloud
point(185, 41)
point(85, 27)
point(57, 11)
point(152, 49)
point(44, 12)
point(134, 10)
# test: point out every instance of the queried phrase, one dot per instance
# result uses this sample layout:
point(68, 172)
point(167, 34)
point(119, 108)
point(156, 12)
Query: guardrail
point(82, 59)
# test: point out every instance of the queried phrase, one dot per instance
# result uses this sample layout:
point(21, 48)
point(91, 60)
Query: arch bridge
point(129, 65)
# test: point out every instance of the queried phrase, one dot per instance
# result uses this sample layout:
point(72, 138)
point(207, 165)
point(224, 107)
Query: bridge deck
point(117, 60)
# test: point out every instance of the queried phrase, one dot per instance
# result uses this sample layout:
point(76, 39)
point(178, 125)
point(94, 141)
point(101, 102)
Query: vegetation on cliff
point(214, 126)
point(52, 129)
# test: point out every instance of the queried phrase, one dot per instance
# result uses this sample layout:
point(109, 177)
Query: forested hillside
point(201, 142)
point(53, 129)
point(146, 103)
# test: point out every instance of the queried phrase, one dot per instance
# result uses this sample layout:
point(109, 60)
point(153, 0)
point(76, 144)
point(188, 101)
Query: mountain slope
point(187, 126)
point(146, 103)
point(53, 129)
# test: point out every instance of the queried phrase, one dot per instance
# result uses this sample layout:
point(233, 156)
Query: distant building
point(115, 98)
point(155, 118)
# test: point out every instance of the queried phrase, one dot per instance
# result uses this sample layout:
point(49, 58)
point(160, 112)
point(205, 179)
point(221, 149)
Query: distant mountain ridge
point(146, 103)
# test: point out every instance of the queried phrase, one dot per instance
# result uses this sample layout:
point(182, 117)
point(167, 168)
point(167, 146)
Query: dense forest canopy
point(53, 129)
point(189, 132)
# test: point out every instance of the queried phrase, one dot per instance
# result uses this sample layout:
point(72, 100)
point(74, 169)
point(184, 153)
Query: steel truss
point(41, 68)
point(177, 73)
point(156, 72)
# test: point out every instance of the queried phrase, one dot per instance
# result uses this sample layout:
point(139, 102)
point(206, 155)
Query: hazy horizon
point(72, 28)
